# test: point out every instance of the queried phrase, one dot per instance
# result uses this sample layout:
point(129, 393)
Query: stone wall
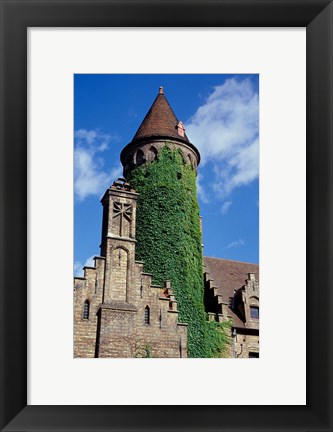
point(89, 288)
point(244, 332)
point(244, 343)
point(128, 316)
point(118, 329)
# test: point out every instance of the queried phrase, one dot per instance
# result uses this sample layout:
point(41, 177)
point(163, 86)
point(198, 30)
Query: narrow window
point(147, 315)
point(86, 309)
point(152, 154)
point(140, 157)
point(254, 312)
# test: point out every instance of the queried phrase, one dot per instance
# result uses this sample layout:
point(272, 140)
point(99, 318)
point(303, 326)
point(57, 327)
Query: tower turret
point(160, 163)
point(118, 239)
point(159, 125)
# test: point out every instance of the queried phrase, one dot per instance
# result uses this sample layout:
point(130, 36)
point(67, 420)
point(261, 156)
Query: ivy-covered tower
point(161, 164)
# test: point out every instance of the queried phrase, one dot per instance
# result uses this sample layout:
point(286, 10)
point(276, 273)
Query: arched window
point(86, 308)
point(140, 157)
point(152, 155)
point(147, 315)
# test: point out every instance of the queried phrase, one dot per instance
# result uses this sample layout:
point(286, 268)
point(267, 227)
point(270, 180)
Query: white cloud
point(226, 206)
point(236, 243)
point(90, 262)
point(225, 129)
point(78, 270)
point(201, 190)
point(90, 176)
point(78, 266)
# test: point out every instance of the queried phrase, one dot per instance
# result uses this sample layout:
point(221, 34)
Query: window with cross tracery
point(122, 215)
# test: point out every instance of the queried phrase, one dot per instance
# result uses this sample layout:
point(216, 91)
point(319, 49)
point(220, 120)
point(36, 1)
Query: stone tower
point(118, 312)
point(146, 295)
point(161, 163)
point(118, 240)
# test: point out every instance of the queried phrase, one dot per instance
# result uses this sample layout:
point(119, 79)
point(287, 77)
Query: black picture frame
point(16, 17)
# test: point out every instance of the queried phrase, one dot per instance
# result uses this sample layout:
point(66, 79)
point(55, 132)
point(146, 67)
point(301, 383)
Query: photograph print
point(166, 216)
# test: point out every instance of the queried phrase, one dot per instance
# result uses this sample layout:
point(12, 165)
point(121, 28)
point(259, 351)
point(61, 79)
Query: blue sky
point(221, 117)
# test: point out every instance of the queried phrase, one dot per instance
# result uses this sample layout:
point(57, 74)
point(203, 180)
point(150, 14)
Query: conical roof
point(160, 121)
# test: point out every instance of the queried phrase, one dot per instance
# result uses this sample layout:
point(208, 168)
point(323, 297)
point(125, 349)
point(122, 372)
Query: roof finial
point(161, 90)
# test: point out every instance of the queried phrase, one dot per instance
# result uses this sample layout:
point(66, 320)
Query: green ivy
point(149, 353)
point(218, 337)
point(169, 242)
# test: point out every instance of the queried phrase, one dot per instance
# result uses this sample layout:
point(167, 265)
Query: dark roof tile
point(159, 121)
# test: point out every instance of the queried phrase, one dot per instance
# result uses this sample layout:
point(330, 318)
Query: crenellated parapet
point(148, 150)
point(215, 305)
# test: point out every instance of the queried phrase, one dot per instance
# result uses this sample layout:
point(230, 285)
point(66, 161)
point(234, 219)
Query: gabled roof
point(160, 121)
point(229, 276)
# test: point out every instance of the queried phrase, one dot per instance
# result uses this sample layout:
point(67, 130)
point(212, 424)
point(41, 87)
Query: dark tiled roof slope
point(159, 121)
point(229, 276)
